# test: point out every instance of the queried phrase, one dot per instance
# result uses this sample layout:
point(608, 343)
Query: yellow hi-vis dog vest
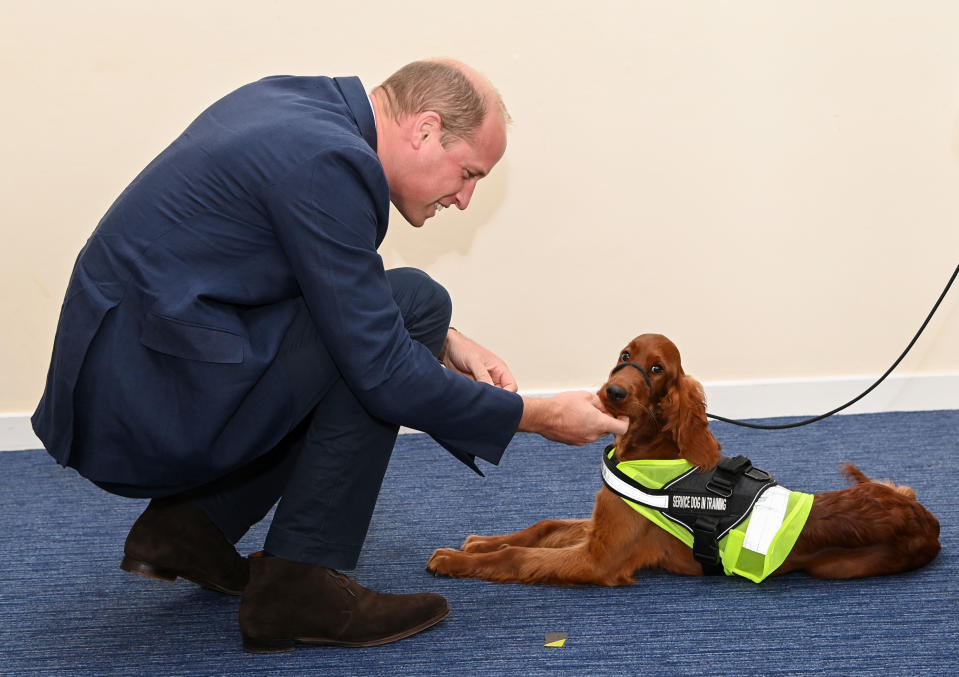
point(736, 514)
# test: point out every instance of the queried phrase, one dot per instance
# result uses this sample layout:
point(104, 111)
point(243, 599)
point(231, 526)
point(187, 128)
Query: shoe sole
point(147, 570)
point(252, 645)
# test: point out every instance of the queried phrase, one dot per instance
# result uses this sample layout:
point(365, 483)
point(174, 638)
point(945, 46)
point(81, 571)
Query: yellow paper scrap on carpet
point(556, 638)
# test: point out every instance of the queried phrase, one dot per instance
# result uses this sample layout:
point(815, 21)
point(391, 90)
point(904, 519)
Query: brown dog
point(869, 529)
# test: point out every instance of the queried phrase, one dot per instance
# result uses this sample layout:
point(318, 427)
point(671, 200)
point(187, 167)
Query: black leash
point(864, 393)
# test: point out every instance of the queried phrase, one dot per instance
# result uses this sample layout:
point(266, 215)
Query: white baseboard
point(16, 433)
point(730, 399)
point(814, 396)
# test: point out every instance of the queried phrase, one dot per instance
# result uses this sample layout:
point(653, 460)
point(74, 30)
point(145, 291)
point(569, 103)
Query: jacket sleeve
point(330, 215)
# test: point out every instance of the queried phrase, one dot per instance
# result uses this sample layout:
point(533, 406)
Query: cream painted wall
point(775, 185)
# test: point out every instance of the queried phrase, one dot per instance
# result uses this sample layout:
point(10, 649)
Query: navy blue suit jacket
point(272, 198)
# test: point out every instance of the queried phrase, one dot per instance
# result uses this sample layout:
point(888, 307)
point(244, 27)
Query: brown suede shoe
point(174, 538)
point(288, 602)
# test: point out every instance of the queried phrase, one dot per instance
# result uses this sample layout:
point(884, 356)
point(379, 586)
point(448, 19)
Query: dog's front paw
point(474, 543)
point(443, 562)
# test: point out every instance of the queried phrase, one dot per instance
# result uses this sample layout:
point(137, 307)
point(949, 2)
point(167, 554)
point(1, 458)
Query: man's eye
point(656, 369)
point(625, 356)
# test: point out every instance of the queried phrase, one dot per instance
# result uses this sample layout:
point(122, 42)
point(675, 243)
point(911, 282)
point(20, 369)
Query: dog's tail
point(854, 474)
point(857, 476)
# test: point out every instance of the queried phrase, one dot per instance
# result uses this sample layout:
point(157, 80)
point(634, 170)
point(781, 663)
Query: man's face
point(435, 177)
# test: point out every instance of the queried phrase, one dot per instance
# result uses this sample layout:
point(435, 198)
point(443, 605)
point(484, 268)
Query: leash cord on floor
point(864, 393)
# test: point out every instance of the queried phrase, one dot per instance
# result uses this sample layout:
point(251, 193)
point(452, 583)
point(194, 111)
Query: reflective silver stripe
point(632, 493)
point(767, 517)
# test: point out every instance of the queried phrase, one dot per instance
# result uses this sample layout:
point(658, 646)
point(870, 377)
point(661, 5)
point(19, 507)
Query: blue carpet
point(67, 609)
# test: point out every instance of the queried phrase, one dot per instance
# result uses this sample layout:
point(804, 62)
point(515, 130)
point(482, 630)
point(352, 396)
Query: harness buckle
point(720, 486)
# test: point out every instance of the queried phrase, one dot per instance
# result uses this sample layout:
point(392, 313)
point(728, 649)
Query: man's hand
point(573, 417)
point(473, 360)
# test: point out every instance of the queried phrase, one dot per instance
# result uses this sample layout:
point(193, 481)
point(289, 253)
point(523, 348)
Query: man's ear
point(683, 411)
point(425, 125)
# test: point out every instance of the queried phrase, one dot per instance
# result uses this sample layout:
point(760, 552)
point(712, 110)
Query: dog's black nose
point(615, 393)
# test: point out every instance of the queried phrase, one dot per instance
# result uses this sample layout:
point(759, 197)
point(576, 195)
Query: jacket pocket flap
point(191, 341)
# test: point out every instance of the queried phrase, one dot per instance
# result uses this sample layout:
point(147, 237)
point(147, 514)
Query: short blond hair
point(440, 86)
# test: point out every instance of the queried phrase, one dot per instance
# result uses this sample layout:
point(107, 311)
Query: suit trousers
point(328, 471)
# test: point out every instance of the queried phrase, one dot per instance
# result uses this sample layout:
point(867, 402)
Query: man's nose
point(465, 195)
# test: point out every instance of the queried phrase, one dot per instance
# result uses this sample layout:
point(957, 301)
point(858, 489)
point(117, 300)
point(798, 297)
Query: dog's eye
point(656, 369)
point(625, 356)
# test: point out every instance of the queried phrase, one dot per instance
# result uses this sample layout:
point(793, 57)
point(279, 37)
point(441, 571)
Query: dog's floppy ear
point(683, 413)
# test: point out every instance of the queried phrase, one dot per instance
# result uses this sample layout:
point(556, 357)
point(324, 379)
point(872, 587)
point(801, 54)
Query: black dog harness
point(707, 504)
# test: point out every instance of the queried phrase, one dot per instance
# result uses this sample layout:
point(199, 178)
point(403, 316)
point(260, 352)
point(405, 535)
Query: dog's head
point(666, 408)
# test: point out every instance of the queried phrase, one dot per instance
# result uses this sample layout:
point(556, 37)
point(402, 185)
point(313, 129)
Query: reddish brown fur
point(868, 529)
